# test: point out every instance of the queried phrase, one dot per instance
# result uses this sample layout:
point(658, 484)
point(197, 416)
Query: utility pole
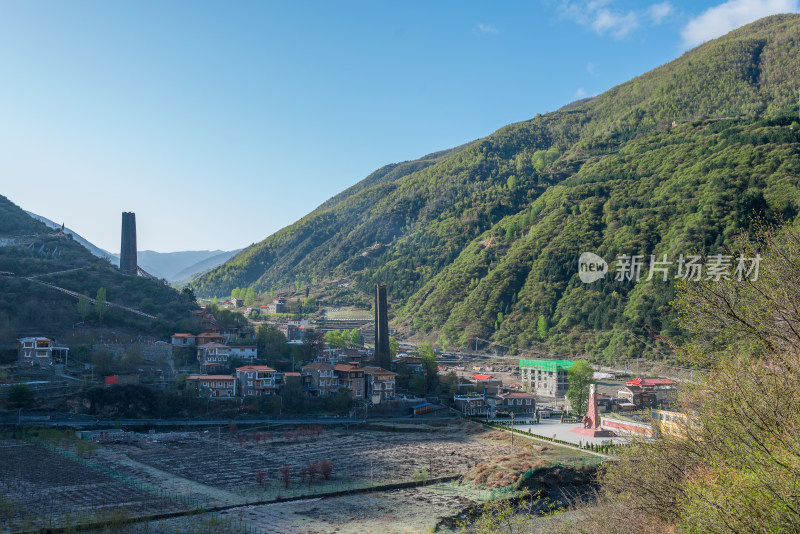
point(512, 432)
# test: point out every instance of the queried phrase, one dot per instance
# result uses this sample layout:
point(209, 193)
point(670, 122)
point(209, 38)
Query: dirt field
point(237, 470)
point(39, 488)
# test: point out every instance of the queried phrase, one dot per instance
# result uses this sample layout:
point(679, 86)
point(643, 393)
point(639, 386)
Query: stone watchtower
point(128, 261)
point(381, 326)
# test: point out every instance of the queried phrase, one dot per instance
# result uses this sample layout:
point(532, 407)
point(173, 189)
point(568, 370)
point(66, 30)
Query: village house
point(516, 402)
point(184, 340)
point(213, 385)
point(412, 363)
point(351, 379)
point(471, 404)
point(205, 319)
point(215, 354)
point(379, 384)
point(40, 351)
point(276, 306)
point(256, 380)
point(294, 330)
point(663, 390)
point(321, 378)
point(487, 384)
point(209, 337)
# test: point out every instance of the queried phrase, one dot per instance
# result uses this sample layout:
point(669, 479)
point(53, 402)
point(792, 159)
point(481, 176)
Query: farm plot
point(40, 488)
point(256, 466)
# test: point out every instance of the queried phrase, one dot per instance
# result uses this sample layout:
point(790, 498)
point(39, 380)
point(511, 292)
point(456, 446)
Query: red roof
point(210, 377)
point(183, 335)
point(291, 374)
point(345, 367)
point(255, 368)
point(483, 377)
point(644, 382)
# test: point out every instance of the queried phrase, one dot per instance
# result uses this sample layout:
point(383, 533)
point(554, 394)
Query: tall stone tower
point(381, 327)
point(128, 260)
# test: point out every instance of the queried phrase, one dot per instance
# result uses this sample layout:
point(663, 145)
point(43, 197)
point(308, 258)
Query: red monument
point(591, 423)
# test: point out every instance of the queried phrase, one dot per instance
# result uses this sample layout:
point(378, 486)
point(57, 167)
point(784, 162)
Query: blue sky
point(219, 123)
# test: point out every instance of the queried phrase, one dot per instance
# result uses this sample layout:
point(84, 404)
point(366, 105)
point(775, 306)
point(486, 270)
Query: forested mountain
point(483, 241)
point(30, 249)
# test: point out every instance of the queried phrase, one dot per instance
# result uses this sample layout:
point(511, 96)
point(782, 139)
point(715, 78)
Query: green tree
point(417, 385)
point(313, 343)
point(100, 302)
point(355, 337)
point(250, 297)
point(336, 339)
point(730, 462)
point(84, 307)
point(394, 346)
point(541, 327)
point(19, 395)
point(580, 377)
point(429, 365)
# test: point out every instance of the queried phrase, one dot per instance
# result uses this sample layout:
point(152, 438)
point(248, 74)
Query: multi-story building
point(320, 378)
point(351, 379)
point(256, 380)
point(545, 378)
point(216, 354)
point(40, 351)
point(213, 385)
point(379, 384)
point(471, 404)
point(516, 402)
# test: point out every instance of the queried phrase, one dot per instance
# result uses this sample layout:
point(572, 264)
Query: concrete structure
point(184, 340)
point(213, 385)
point(545, 378)
point(321, 379)
point(351, 379)
point(591, 422)
point(379, 384)
point(212, 354)
point(381, 325)
point(256, 380)
point(40, 351)
point(128, 260)
point(516, 402)
point(471, 404)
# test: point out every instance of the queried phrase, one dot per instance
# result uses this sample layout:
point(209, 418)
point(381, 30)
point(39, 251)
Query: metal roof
point(547, 365)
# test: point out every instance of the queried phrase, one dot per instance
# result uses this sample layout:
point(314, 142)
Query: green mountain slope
point(28, 248)
point(483, 240)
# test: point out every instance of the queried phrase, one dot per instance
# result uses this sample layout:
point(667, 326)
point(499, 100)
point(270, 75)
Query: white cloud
point(590, 68)
point(719, 20)
point(659, 12)
point(581, 93)
point(486, 28)
point(615, 23)
point(603, 20)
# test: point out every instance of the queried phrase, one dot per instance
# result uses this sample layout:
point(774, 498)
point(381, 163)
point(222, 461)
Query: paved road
point(81, 421)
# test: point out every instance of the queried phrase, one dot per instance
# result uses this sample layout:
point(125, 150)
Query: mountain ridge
point(466, 242)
